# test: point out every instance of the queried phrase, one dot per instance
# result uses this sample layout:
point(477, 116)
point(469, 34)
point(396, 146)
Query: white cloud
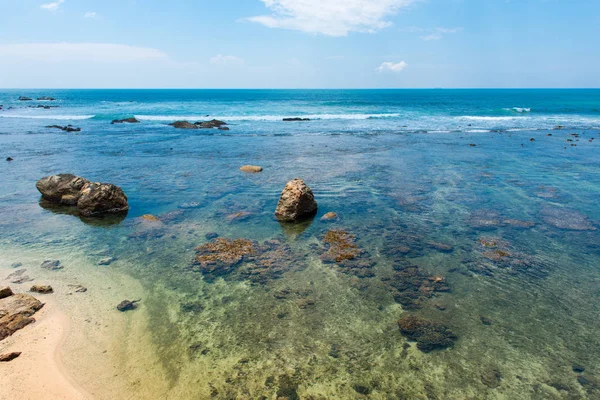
point(52, 6)
point(436, 33)
point(90, 14)
point(433, 36)
point(220, 59)
point(96, 52)
point(330, 17)
point(392, 67)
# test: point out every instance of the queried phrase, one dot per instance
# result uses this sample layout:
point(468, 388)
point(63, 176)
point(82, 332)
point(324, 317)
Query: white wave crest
point(53, 117)
point(474, 118)
point(262, 117)
point(518, 109)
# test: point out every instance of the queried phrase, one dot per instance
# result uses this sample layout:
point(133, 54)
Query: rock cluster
point(91, 198)
point(215, 123)
point(296, 202)
point(16, 312)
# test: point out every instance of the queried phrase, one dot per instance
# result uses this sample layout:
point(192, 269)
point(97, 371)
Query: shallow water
point(510, 225)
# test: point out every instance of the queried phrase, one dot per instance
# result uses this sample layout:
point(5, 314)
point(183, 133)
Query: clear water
point(399, 169)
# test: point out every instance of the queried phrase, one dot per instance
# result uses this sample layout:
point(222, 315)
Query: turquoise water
point(509, 226)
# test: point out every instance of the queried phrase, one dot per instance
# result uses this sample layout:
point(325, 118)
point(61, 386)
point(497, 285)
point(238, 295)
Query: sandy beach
point(67, 353)
point(39, 372)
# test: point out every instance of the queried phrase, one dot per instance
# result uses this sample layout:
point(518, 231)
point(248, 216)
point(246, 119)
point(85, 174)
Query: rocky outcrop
point(184, 125)
point(91, 198)
point(46, 98)
point(68, 128)
point(296, 119)
point(25, 98)
point(126, 120)
point(214, 123)
point(296, 202)
point(251, 168)
point(16, 312)
point(101, 198)
point(61, 189)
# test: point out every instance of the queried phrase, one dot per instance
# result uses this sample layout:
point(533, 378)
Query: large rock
point(296, 202)
point(61, 189)
point(16, 312)
point(101, 198)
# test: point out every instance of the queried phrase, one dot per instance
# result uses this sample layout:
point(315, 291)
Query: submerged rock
point(149, 217)
point(9, 356)
point(221, 255)
point(52, 265)
point(62, 188)
point(9, 159)
point(251, 168)
point(429, 335)
point(107, 261)
point(25, 98)
point(329, 217)
point(42, 289)
point(296, 119)
point(46, 98)
point(68, 128)
point(410, 286)
point(567, 219)
point(101, 198)
point(19, 277)
point(247, 259)
point(126, 120)
point(296, 202)
point(341, 249)
point(127, 305)
point(16, 312)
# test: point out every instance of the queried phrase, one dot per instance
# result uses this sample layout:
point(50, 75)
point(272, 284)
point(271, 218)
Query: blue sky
point(299, 43)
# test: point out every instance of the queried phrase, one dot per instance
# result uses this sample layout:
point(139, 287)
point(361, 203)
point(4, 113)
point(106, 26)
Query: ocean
point(471, 216)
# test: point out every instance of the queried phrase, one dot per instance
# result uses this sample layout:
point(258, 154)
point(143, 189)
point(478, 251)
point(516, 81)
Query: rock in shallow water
point(52, 265)
point(101, 198)
point(127, 305)
point(251, 168)
point(296, 202)
point(62, 188)
point(42, 289)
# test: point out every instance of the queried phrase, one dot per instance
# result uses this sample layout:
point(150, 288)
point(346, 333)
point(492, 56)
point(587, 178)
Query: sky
point(299, 43)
